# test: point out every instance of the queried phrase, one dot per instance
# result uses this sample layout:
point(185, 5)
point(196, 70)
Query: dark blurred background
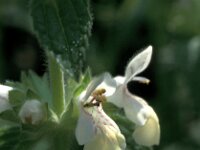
point(121, 29)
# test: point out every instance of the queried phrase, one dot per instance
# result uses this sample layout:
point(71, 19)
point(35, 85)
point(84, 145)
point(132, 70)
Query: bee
point(98, 97)
point(98, 92)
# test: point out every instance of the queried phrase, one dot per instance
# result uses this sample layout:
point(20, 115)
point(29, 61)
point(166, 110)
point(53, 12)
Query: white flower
point(32, 112)
point(4, 103)
point(147, 130)
point(96, 130)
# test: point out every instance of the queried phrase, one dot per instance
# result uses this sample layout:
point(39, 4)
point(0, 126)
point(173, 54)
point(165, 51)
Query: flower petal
point(109, 84)
point(138, 63)
point(32, 111)
point(92, 86)
point(4, 91)
point(117, 97)
point(107, 139)
point(4, 102)
point(149, 134)
point(85, 130)
point(135, 108)
point(102, 119)
point(103, 81)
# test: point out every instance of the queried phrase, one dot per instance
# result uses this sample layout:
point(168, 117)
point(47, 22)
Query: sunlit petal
point(4, 102)
point(107, 139)
point(149, 134)
point(93, 85)
point(135, 108)
point(85, 130)
point(109, 84)
point(118, 97)
point(119, 80)
point(138, 63)
point(4, 91)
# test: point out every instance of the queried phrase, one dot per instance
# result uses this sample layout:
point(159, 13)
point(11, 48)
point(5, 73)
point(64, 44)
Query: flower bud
point(32, 112)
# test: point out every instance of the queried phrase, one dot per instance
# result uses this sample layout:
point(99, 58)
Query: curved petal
point(32, 111)
point(117, 97)
point(138, 63)
point(101, 118)
point(103, 81)
point(149, 134)
point(92, 86)
point(107, 139)
point(119, 80)
point(4, 102)
point(85, 130)
point(109, 84)
point(136, 109)
point(4, 91)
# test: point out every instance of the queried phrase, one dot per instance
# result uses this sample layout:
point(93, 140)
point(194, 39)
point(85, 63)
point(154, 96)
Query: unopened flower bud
point(32, 112)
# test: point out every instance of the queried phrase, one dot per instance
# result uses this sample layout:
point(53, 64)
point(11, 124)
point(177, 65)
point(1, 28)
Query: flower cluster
point(96, 129)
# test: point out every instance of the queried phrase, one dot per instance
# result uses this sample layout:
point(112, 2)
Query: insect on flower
point(97, 99)
point(95, 129)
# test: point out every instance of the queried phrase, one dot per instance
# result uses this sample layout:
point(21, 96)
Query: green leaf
point(41, 86)
point(16, 97)
point(63, 26)
point(10, 115)
point(85, 80)
point(31, 95)
point(57, 84)
point(31, 86)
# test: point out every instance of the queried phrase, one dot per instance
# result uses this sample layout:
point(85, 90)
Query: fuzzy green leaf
point(63, 26)
point(31, 86)
point(16, 97)
point(57, 84)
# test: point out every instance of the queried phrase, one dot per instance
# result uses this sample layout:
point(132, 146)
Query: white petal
point(109, 84)
point(103, 81)
point(95, 126)
point(82, 96)
point(4, 91)
point(119, 80)
point(135, 108)
point(149, 134)
point(85, 130)
point(108, 139)
point(93, 85)
point(102, 119)
point(118, 97)
point(32, 110)
point(4, 102)
point(138, 63)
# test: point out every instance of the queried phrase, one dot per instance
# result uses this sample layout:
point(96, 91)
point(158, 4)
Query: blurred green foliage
point(121, 28)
